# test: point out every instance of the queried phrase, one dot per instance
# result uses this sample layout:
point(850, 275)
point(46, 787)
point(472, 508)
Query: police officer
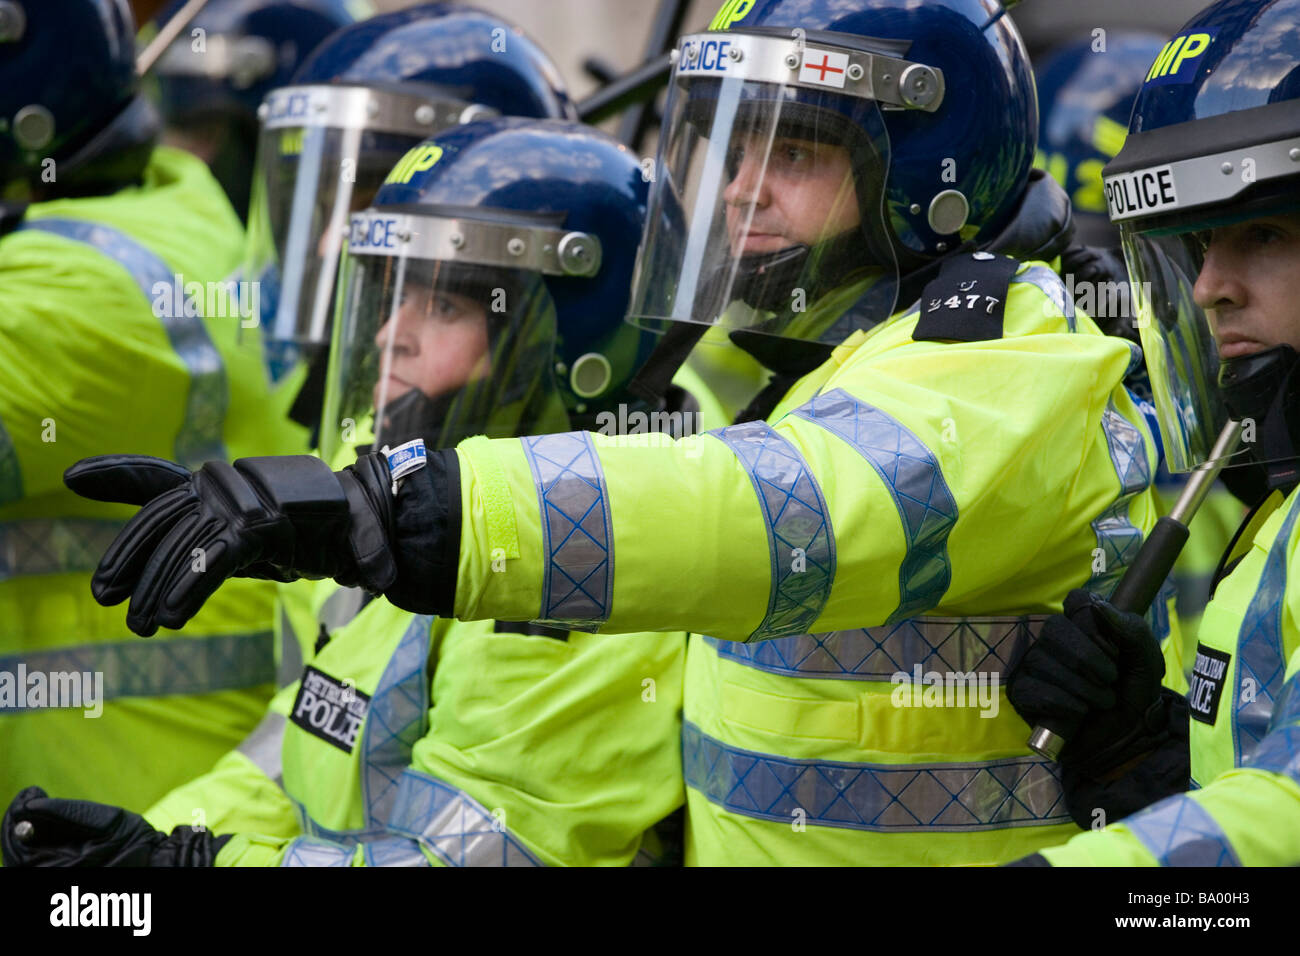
point(1205, 193)
point(115, 329)
point(1086, 90)
point(947, 449)
point(213, 77)
point(329, 138)
point(413, 740)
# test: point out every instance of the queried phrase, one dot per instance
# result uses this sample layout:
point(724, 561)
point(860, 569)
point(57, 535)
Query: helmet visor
point(439, 342)
point(322, 154)
point(766, 212)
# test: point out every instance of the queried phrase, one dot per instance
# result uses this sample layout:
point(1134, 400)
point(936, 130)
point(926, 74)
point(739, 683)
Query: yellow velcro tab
point(494, 492)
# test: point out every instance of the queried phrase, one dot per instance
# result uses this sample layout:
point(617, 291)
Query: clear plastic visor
point(766, 209)
point(439, 349)
point(322, 154)
point(1178, 341)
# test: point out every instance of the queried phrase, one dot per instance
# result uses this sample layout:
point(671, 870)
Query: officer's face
point(436, 342)
point(1248, 282)
point(798, 193)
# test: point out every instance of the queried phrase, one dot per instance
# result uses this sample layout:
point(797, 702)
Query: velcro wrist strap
point(295, 485)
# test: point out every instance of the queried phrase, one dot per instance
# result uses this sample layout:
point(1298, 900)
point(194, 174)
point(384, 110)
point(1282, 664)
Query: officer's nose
point(395, 334)
point(1218, 285)
point(747, 186)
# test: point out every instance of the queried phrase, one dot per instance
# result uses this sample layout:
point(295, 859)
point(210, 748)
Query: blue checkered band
point(883, 798)
point(801, 543)
point(54, 545)
point(394, 851)
point(264, 746)
point(578, 582)
point(155, 668)
point(911, 473)
point(11, 475)
point(1051, 286)
point(1179, 832)
point(1278, 752)
point(306, 851)
point(200, 438)
point(1117, 537)
point(455, 826)
point(952, 644)
point(1259, 659)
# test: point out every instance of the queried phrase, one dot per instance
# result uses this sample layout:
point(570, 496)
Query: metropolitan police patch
point(1206, 685)
point(330, 709)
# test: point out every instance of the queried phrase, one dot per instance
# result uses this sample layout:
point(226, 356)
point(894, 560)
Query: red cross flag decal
point(824, 68)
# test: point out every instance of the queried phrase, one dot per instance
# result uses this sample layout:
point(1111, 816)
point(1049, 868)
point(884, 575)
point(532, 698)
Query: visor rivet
point(1226, 169)
point(941, 247)
point(1295, 155)
point(561, 368)
point(457, 240)
point(263, 111)
point(33, 126)
point(579, 254)
point(404, 235)
point(13, 22)
point(424, 114)
point(914, 209)
point(918, 86)
point(691, 52)
point(674, 56)
point(735, 53)
point(515, 246)
point(792, 60)
point(321, 107)
point(855, 71)
point(372, 108)
point(580, 408)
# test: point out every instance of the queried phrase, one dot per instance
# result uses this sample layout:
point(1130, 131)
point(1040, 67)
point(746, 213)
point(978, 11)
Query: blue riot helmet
point(359, 103)
point(1085, 95)
point(213, 77)
point(824, 151)
point(485, 289)
point(71, 122)
point(1214, 140)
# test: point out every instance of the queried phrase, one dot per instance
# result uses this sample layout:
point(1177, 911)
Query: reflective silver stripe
point(11, 475)
point(397, 718)
point(394, 852)
point(1287, 709)
point(1117, 537)
point(289, 668)
point(200, 437)
point(1050, 284)
point(54, 545)
point(885, 798)
point(158, 667)
point(801, 543)
point(954, 644)
point(912, 474)
point(1261, 664)
point(306, 851)
point(578, 583)
point(1179, 832)
point(264, 745)
point(455, 826)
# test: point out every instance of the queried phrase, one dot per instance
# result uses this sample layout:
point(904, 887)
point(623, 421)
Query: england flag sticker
point(824, 67)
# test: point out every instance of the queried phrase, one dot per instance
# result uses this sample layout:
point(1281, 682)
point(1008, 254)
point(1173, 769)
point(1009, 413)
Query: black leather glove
point(280, 518)
point(40, 831)
point(1093, 267)
point(1094, 673)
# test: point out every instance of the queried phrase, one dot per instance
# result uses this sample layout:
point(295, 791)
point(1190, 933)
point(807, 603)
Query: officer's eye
point(1262, 235)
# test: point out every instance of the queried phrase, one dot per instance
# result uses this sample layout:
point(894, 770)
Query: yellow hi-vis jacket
point(104, 351)
point(1244, 701)
point(900, 526)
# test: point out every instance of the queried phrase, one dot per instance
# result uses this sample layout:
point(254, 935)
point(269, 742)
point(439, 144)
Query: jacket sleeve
point(1247, 816)
point(242, 793)
point(67, 389)
point(893, 481)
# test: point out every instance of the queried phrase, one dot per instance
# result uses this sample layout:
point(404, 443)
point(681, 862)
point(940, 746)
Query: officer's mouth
point(756, 241)
point(1234, 345)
